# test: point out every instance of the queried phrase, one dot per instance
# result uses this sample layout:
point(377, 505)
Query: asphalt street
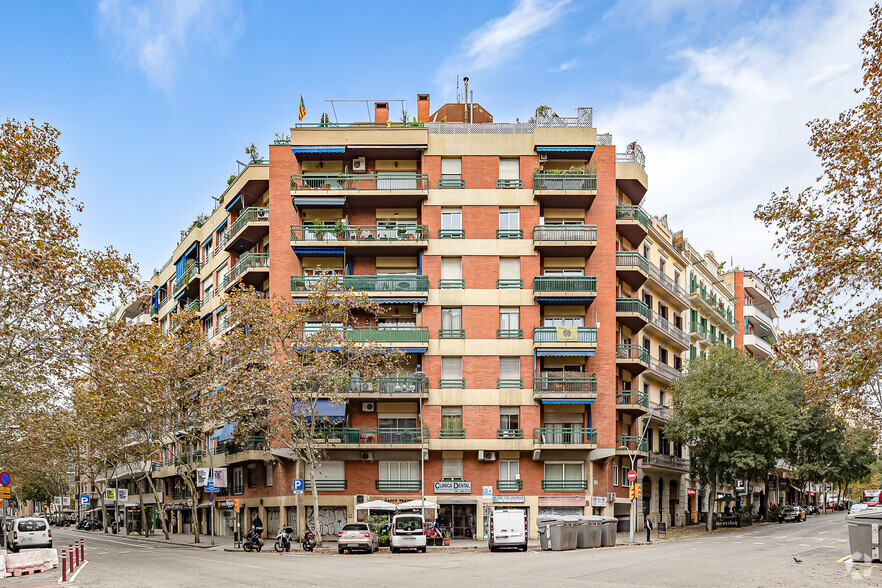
point(755, 556)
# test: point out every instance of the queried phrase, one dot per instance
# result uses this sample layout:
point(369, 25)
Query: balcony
point(632, 312)
point(565, 239)
point(451, 433)
point(544, 436)
point(251, 269)
point(699, 332)
point(451, 383)
point(388, 239)
point(509, 433)
point(360, 190)
point(631, 176)
point(759, 290)
point(376, 287)
point(632, 223)
point(362, 437)
point(399, 485)
point(248, 229)
point(509, 383)
point(633, 402)
point(396, 386)
point(193, 306)
point(712, 305)
point(662, 372)
point(633, 443)
point(509, 333)
point(759, 319)
point(451, 333)
point(573, 387)
point(667, 462)
point(451, 234)
point(564, 289)
point(565, 190)
point(325, 485)
point(390, 335)
point(634, 358)
point(632, 268)
point(509, 485)
point(451, 284)
point(759, 347)
point(667, 330)
point(189, 274)
point(667, 284)
point(509, 184)
point(564, 485)
point(565, 337)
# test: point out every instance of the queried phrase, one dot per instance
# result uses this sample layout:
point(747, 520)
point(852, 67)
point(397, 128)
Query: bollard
point(76, 555)
point(70, 559)
point(82, 550)
point(63, 565)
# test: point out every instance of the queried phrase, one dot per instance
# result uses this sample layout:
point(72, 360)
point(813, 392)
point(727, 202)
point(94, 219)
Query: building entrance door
point(460, 519)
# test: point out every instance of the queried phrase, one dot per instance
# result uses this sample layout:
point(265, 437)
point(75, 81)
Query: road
point(756, 556)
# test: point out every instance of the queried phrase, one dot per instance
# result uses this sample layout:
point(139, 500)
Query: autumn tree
point(291, 357)
point(829, 239)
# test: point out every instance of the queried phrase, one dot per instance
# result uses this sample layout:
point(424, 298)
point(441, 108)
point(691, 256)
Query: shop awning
point(567, 401)
point(319, 149)
point(565, 353)
point(324, 409)
point(558, 148)
point(225, 433)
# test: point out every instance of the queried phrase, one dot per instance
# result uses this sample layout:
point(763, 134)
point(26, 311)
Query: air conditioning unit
point(367, 456)
point(368, 407)
point(263, 213)
point(611, 496)
point(359, 164)
point(361, 498)
point(543, 156)
point(486, 455)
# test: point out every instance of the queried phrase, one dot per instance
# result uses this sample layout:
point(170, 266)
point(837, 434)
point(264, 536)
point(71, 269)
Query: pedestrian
point(647, 524)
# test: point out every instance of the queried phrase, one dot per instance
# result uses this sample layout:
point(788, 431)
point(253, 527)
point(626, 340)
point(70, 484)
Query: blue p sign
point(298, 487)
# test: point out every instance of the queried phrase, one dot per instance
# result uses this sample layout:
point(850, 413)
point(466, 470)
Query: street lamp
point(633, 456)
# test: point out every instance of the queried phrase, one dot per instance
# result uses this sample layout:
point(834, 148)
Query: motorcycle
point(308, 542)
point(114, 527)
point(253, 540)
point(283, 539)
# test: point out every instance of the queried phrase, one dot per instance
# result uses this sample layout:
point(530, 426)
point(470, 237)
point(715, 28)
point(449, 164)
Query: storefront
point(562, 505)
point(459, 516)
point(507, 502)
point(226, 518)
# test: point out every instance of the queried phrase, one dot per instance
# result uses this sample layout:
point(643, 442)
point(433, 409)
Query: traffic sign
point(210, 487)
point(5, 492)
point(4, 478)
point(487, 494)
point(210, 497)
point(297, 487)
point(84, 499)
point(632, 475)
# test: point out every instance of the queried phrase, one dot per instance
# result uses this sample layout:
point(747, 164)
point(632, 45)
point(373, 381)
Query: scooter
point(253, 540)
point(114, 527)
point(283, 539)
point(308, 542)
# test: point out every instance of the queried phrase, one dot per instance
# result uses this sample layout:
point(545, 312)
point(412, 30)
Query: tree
point(735, 414)
point(829, 238)
point(293, 356)
point(253, 155)
point(543, 111)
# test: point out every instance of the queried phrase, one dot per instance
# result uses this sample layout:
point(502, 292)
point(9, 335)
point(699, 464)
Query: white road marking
point(72, 578)
point(758, 543)
point(804, 545)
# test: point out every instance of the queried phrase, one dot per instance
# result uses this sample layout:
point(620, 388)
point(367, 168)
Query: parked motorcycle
point(114, 527)
point(254, 539)
point(283, 539)
point(308, 542)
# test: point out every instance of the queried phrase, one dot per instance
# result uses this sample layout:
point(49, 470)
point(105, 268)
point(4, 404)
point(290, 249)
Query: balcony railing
point(513, 284)
point(509, 433)
point(451, 284)
point(668, 328)
point(565, 233)
point(509, 184)
point(666, 461)
point(632, 398)
point(633, 305)
point(631, 442)
point(193, 305)
point(398, 485)
point(637, 352)
point(564, 436)
point(451, 383)
point(509, 233)
point(509, 333)
point(368, 436)
point(247, 262)
point(629, 212)
point(389, 334)
point(188, 275)
point(577, 384)
point(631, 260)
point(667, 282)
point(325, 485)
point(253, 214)
point(451, 234)
point(565, 181)
point(663, 369)
point(451, 183)
point(451, 433)
point(565, 335)
point(398, 181)
point(451, 333)
point(565, 284)
point(385, 283)
point(509, 485)
point(506, 383)
point(359, 233)
point(388, 385)
point(564, 485)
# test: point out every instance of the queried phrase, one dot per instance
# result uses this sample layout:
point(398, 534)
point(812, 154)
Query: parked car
point(408, 532)
point(28, 532)
point(508, 528)
point(791, 514)
point(357, 536)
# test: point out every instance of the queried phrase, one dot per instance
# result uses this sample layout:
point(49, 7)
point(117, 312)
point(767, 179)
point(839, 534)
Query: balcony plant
point(340, 229)
point(319, 229)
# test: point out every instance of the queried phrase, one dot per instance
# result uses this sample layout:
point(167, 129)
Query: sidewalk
point(176, 539)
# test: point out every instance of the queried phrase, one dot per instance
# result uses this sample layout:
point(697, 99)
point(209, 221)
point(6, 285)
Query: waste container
point(569, 533)
point(544, 524)
point(864, 534)
point(590, 530)
point(608, 534)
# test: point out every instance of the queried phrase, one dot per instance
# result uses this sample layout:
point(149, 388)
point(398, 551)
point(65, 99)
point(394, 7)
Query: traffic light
point(637, 491)
point(631, 492)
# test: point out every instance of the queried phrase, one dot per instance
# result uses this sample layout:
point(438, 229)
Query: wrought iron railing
point(583, 384)
point(564, 181)
point(630, 212)
point(561, 284)
point(564, 436)
point(380, 181)
point(564, 485)
point(565, 335)
point(637, 352)
point(359, 233)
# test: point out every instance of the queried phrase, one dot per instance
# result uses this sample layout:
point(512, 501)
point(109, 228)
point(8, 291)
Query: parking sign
point(297, 487)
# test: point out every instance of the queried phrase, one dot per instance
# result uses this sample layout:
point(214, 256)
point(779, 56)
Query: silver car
point(357, 536)
point(28, 532)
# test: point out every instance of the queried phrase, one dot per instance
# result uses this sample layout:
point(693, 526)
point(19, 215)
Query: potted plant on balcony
point(339, 229)
point(319, 229)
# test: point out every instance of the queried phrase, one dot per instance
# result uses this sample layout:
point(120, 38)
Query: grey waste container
point(544, 524)
point(608, 535)
point(864, 529)
point(564, 533)
point(589, 532)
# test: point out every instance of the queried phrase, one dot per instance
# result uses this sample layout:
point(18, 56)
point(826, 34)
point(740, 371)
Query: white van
point(408, 532)
point(508, 528)
point(28, 532)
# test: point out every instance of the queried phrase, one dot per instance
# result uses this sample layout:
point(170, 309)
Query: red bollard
point(76, 555)
point(82, 550)
point(70, 559)
point(63, 565)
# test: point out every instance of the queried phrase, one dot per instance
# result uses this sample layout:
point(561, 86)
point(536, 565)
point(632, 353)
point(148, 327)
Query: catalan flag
point(302, 112)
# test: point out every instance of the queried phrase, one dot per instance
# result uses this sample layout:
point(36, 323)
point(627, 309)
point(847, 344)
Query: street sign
point(109, 495)
point(487, 494)
point(210, 487)
point(84, 499)
point(632, 475)
point(297, 487)
point(4, 478)
point(5, 492)
point(210, 497)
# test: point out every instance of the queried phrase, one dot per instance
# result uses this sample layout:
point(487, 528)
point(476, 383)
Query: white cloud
point(500, 39)
point(156, 35)
point(563, 66)
point(730, 129)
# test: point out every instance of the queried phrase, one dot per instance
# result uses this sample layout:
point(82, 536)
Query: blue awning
point(414, 349)
point(547, 299)
point(312, 201)
point(397, 300)
point(583, 149)
point(221, 226)
point(233, 202)
point(565, 353)
point(221, 309)
point(580, 401)
point(324, 410)
point(225, 433)
point(181, 293)
point(320, 251)
point(191, 248)
point(319, 149)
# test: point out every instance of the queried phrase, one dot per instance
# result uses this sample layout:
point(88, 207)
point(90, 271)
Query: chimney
point(422, 108)
point(381, 112)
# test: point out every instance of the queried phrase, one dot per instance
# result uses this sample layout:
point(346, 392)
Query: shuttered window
point(509, 368)
point(451, 268)
point(451, 468)
point(451, 368)
point(509, 268)
point(451, 168)
point(509, 169)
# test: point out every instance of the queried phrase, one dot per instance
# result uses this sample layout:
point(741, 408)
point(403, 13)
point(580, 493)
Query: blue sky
point(157, 99)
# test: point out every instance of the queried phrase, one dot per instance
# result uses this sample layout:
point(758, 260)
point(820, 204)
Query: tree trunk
point(315, 506)
point(194, 496)
point(157, 498)
point(711, 507)
point(144, 530)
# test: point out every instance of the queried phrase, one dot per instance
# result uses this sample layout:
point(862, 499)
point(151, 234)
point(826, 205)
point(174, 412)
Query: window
point(615, 475)
point(677, 276)
point(625, 480)
point(509, 268)
point(663, 310)
point(509, 417)
point(509, 469)
point(451, 319)
point(269, 474)
point(509, 318)
point(252, 475)
point(238, 481)
point(207, 292)
point(328, 470)
point(509, 368)
point(208, 326)
point(451, 168)
point(646, 250)
point(451, 468)
point(509, 219)
point(451, 221)
point(646, 389)
point(663, 355)
point(451, 417)
point(451, 268)
point(563, 321)
point(662, 263)
point(646, 344)
point(678, 363)
point(399, 470)
point(207, 251)
point(564, 471)
point(221, 276)
point(509, 169)
point(451, 368)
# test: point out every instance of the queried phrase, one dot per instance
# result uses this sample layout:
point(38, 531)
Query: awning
point(401, 300)
point(324, 409)
point(329, 251)
point(310, 201)
point(558, 148)
point(319, 149)
point(548, 299)
point(567, 401)
point(233, 202)
point(414, 349)
point(565, 353)
point(225, 433)
point(416, 504)
point(375, 505)
point(191, 248)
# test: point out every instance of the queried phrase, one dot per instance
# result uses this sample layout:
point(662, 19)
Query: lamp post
point(633, 456)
